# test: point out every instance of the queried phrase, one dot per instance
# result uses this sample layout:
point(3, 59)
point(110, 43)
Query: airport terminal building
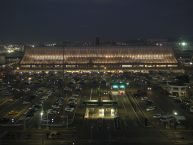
point(125, 58)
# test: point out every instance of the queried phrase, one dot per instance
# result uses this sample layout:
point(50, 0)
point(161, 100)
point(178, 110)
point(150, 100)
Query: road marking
point(3, 102)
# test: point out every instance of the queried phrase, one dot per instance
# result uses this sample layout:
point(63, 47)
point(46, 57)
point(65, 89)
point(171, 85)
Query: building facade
point(177, 90)
point(98, 58)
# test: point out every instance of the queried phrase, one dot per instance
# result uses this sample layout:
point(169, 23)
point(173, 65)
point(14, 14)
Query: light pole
point(109, 132)
point(91, 135)
point(41, 115)
point(175, 113)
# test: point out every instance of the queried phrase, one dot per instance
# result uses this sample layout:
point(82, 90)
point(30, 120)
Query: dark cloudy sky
point(57, 20)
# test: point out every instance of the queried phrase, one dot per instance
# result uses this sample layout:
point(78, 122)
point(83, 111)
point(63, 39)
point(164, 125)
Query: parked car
point(151, 108)
point(55, 107)
point(69, 109)
point(166, 118)
point(144, 98)
point(157, 116)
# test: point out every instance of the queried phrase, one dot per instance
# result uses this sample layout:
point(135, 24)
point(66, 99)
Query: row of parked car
point(151, 106)
point(149, 103)
point(186, 104)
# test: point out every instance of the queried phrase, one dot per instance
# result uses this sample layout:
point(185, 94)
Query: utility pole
point(91, 132)
point(109, 133)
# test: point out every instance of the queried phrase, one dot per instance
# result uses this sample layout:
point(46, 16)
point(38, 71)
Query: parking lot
point(48, 100)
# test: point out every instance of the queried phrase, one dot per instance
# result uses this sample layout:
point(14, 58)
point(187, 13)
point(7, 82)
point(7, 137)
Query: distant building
point(122, 58)
point(177, 90)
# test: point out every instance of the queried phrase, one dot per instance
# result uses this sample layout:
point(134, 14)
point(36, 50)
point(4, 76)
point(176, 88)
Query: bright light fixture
point(175, 113)
point(184, 44)
point(41, 113)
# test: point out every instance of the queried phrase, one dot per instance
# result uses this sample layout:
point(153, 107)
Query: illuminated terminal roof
point(99, 55)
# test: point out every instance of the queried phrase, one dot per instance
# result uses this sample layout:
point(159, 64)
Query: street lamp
point(41, 114)
point(175, 113)
point(29, 80)
point(184, 44)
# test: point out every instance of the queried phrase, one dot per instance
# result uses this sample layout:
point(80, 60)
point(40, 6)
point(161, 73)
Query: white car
point(144, 98)
point(67, 89)
point(73, 98)
point(75, 95)
point(69, 109)
point(53, 112)
point(172, 96)
point(157, 116)
point(151, 108)
point(167, 118)
point(55, 107)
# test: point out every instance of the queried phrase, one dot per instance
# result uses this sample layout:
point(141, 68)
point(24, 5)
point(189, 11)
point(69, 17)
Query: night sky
point(57, 20)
